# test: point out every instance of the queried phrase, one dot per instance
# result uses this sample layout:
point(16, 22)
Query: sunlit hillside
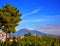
point(32, 40)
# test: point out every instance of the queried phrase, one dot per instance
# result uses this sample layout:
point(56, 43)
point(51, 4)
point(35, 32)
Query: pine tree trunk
point(6, 37)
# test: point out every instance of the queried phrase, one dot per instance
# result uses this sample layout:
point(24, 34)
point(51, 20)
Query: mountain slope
point(21, 32)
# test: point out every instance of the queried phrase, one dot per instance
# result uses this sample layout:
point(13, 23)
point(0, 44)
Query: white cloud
point(33, 20)
point(33, 12)
point(52, 17)
point(49, 29)
point(40, 20)
point(37, 20)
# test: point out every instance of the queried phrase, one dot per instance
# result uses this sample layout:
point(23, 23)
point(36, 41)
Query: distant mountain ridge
point(22, 32)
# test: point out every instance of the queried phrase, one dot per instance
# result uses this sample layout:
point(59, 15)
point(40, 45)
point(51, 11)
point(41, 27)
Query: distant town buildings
point(2, 36)
point(34, 34)
point(21, 37)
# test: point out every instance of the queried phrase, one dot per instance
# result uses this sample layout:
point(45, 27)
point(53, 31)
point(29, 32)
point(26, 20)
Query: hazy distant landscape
point(24, 31)
point(29, 22)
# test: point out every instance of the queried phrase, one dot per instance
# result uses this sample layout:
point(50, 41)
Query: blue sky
point(37, 13)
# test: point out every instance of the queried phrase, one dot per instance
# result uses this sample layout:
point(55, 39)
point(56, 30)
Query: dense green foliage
point(31, 40)
point(9, 18)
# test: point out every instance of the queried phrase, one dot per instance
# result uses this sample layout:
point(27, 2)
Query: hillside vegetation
point(32, 40)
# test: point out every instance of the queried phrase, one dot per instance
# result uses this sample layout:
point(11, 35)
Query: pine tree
point(9, 18)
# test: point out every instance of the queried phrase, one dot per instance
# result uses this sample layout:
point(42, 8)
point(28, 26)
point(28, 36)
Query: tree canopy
point(9, 18)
